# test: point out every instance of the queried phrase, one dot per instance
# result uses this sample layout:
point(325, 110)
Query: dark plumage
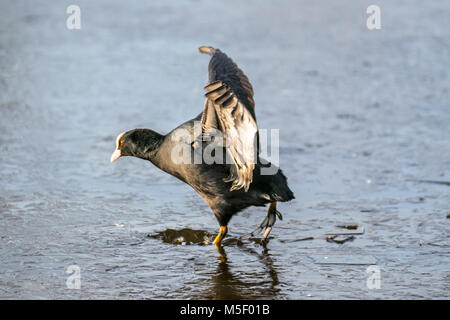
point(233, 184)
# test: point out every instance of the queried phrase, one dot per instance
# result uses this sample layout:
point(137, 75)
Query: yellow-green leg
point(267, 223)
point(222, 233)
point(218, 239)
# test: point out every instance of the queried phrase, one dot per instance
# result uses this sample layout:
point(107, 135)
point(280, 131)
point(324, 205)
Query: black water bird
point(226, 131)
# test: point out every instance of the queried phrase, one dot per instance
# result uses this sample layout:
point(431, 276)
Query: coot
point(217, 152)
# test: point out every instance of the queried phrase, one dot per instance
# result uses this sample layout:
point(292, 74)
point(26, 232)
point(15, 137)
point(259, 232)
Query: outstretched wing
point(230, 107)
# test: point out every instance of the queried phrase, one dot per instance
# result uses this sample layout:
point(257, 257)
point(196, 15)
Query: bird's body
point(232, 182)
point(208, 179)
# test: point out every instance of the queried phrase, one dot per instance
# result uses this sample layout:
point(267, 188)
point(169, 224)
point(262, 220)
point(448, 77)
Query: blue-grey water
point(363, 117)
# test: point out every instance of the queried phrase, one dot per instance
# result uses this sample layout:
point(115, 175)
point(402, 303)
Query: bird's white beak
point(116, 154)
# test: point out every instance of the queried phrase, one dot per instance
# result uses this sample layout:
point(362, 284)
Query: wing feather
point(230, 94)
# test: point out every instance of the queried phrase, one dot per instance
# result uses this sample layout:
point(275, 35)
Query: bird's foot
point(218, 239)
point(266, 225)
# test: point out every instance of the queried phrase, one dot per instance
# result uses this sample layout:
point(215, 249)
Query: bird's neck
point(149, 145)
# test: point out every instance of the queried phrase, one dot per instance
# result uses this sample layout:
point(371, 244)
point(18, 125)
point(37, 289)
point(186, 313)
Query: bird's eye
point(121, 143)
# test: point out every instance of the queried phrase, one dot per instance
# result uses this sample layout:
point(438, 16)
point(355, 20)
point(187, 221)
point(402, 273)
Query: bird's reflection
point(261, 281)
point(247, 285)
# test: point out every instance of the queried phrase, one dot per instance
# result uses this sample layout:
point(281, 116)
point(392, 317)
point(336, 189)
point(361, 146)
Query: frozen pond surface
point(363, 117)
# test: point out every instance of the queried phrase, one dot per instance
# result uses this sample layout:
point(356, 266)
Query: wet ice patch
point(184, 236)
point(343, 233)
point(346, 229)
point(340, 238)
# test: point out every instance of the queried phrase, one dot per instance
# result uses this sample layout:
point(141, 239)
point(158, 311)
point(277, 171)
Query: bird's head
point(121, 147)
point(141, 143)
